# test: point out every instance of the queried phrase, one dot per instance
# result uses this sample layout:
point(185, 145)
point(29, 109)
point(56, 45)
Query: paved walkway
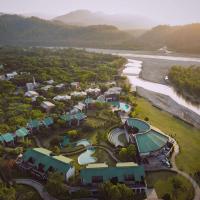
point(110, 152)
point(38, 186)
point(175, 168)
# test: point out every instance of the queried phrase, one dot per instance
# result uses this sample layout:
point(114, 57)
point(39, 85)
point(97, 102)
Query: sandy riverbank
point(167, 104)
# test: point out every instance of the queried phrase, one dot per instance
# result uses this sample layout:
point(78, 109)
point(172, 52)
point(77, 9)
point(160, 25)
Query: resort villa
point(127, 172)
point(47, 105)
point(112, 94)
point(40, 162)
point(149, 142)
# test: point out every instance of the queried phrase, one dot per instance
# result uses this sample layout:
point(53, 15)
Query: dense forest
point(17, 30)
point(186, 81)
point(61, 65)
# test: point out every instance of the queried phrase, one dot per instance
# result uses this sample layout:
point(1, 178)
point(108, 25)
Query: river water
point(134, 67)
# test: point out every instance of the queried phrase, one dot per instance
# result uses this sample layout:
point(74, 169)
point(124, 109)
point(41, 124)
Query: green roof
point(66, 117)
point(140, 124)
point(151, 141)
point(1, 139)
point(80, 116)
point(22, 132)
point(45, 157)
point(48, 121)
point(8, 137)
point(109, 172)
point(34, 123)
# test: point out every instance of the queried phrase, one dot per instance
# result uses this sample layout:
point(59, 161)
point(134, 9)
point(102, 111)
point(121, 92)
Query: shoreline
point(166, 103)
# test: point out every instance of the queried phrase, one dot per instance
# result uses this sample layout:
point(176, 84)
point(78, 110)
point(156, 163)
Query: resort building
point(47, 105)
point(93, 91)
point(149, 142)
point(50, 81)
point(11, 75)
point(40, 162)
point(112, 94)
point(128, 173)
point(32, 94)
point(78, 94)
point(75, 85)
point(73, 119)
point(60, 86)
point(62, 98)
point(47, 87)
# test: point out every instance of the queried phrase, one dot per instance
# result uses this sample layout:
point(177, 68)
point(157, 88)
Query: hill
point(184, 39)
point(122, 21)
point(18, 30)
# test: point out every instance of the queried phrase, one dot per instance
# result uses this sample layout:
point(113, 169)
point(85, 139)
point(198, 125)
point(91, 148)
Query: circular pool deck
point(142, 126)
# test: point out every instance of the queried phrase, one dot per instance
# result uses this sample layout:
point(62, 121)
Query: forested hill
point(177, 38)
point(17, 30)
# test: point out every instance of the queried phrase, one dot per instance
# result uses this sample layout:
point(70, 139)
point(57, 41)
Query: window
point(129, 177)
point(97, 179)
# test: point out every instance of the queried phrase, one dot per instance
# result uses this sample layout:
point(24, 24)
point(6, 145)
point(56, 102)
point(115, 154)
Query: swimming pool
point(86, 157)
point(83, 142)
point(121, 106)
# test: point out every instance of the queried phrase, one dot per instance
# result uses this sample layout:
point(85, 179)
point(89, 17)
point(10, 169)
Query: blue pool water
point(125, 107)
point(83, 142)
point(86, 157)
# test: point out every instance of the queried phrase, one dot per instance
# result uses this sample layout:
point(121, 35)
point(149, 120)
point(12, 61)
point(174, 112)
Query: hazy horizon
point(171, 12)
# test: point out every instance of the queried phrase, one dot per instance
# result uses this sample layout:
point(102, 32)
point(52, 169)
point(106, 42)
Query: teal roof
point(89, 100)
point(66, 117)
point(151, 141)
point(34, 123)
point(22, 132)
point(48, 121)
point(109, 172)
point(80, 116)
point(1, 139)
point(8, 137)
point(141, 125)
point(44, 156)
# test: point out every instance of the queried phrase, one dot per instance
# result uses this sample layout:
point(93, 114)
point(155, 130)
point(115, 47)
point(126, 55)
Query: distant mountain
point(87, 18)
point(177, 38)
point(18, 30)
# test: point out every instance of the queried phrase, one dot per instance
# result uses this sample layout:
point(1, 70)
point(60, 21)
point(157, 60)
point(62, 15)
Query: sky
point(163, 11)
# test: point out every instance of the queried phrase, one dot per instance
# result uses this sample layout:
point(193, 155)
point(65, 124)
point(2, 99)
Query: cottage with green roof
point(34, 124)
point(22, 132)
point(48, 121)
point(127, 173)
point(41, 161)
point(8, 138)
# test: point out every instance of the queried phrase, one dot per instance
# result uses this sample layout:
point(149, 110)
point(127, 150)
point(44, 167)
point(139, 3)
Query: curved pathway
point(37, 186)
point(109, 151)
point(187, 176)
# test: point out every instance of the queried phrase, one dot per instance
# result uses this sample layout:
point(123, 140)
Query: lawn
point(187, 136)
point(162, 182)
point(26, 192)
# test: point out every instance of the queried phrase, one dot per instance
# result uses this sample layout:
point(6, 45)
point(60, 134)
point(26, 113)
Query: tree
point(56, 187)
point(115, 192)
point(73, 134)
point(7, 193)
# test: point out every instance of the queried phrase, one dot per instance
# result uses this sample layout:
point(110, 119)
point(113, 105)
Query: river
point(134, 67)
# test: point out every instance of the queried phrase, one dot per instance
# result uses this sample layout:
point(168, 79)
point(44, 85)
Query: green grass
point(187, 136)
point(162, 182)
point(26, 192)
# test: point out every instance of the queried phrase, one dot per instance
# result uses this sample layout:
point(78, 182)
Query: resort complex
point(76, 131)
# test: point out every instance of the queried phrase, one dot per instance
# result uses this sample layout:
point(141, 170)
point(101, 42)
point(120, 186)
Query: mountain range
point(32, 31)
point(122, 21)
